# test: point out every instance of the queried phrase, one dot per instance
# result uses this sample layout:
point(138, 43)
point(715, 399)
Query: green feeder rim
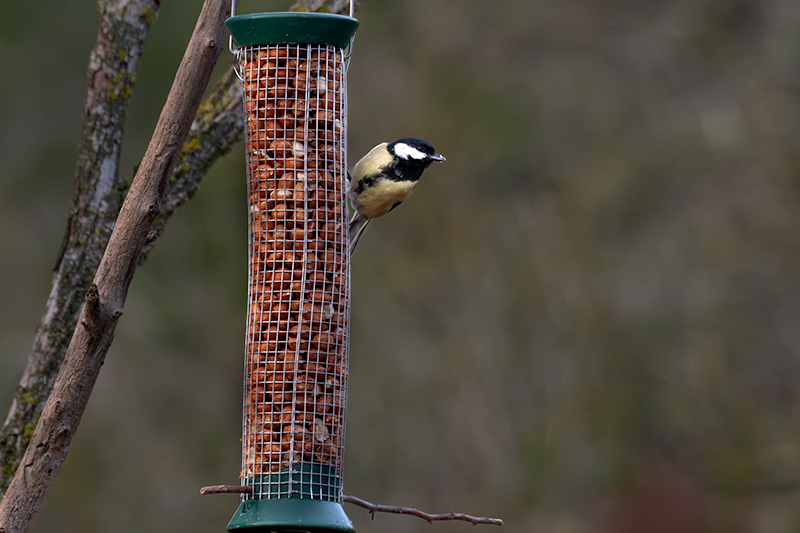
point(292, 28)
point(290, 514)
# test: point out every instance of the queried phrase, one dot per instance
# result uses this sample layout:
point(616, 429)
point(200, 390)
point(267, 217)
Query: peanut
point(299, 292)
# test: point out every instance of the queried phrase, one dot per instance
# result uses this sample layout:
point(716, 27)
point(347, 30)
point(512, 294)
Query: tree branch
point(227, 489)
point(374, 508)
point(97, 197)
point(371, 507)
point(218, 125)
point(106, 298)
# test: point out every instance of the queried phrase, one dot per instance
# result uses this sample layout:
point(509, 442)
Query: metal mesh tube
point(295, 384)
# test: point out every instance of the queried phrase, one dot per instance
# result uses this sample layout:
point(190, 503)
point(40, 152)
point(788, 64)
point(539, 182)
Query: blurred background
point(585, 321)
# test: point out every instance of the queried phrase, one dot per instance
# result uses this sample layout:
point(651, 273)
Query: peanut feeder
point(292, 67)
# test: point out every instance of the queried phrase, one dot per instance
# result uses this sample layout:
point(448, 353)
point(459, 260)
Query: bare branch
point(227, 489)
point(105, 300)
point(97, 197)
point(371, 507)
point(374, 508)
point(217, 126)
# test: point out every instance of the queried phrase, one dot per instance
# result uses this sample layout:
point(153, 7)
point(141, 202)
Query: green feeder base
point(291, 515)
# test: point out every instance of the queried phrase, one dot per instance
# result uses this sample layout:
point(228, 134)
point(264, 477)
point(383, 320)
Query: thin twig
point(371, 507)
point(227, 489)
point(374, 508)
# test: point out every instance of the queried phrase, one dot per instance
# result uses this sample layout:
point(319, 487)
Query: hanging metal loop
point(234, 2)
point(349, 52)
point(235, 51)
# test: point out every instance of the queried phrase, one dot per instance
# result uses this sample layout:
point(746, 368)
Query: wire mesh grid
point(299, 280)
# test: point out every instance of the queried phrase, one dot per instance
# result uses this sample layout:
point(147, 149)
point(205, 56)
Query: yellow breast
point(379, 199)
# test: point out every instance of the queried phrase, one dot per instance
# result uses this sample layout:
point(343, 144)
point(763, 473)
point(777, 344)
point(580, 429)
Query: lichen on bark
point(97, 196)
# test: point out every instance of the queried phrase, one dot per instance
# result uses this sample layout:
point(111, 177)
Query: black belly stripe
point(366, 182)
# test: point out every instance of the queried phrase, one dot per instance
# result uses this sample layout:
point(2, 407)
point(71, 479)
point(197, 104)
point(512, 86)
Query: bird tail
point(355, 229)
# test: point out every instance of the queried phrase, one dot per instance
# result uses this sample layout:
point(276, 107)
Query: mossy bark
point(97, 197)
point(105, 299)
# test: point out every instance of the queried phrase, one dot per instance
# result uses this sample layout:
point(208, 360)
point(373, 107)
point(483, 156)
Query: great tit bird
point(385, 177)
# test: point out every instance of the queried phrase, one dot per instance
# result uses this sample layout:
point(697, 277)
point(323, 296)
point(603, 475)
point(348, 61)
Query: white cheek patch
point(405, 151)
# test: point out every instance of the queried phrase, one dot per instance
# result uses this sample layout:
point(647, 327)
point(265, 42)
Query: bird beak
point(438, 157)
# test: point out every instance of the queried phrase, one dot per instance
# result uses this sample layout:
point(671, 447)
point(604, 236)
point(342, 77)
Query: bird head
point(415, 152)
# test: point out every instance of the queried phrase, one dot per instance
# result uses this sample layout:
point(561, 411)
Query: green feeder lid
point(290, 514)
point(292, 28)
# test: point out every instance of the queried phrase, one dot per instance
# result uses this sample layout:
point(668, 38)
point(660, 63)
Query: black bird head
point(411, 149)
point(411, 157)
